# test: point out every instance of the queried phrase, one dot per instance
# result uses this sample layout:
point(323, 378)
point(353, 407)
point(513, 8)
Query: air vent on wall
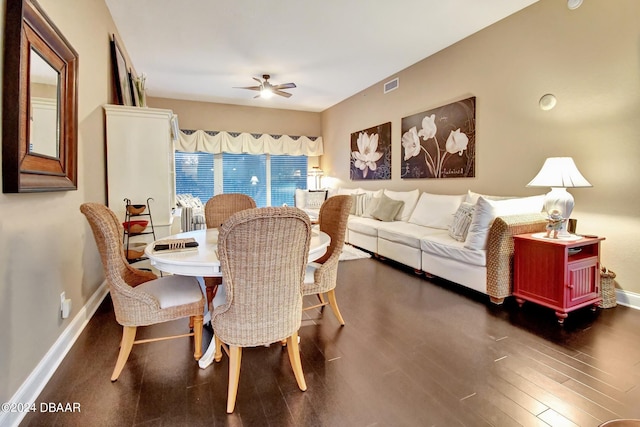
point(391, 85)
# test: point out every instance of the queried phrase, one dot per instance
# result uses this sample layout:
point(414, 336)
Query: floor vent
point(391, 85)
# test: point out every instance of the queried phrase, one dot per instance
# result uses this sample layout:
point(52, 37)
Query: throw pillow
point(483, 216)
point(409, 199)
point(435, 210)
point(315, 199)
point(461, 222)
point(387, 209)
point(360, 202)
point(370, 207)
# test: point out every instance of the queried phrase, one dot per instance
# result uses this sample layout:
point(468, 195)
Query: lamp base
point(561, 200)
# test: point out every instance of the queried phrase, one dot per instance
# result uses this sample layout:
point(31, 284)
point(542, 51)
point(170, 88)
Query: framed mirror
point(40, 103)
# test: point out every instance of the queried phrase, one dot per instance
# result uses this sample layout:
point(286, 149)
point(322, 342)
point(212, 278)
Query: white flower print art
point(440, 143)
point(371, 153)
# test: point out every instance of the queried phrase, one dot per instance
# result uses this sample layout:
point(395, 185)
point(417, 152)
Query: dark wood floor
point(414, 352)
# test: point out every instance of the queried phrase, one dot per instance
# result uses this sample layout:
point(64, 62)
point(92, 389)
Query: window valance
point(231, 142)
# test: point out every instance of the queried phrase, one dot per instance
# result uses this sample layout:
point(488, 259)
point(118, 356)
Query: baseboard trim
point(629, 299)
point(40, 376)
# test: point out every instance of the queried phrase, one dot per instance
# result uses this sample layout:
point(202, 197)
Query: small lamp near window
point(317, 173)
point(254, 180)
point(559, 173)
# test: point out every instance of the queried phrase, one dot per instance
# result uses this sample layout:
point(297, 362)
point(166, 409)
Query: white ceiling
point(331, 49)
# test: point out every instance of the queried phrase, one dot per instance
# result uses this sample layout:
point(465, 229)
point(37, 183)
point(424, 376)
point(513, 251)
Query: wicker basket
point(607, 288)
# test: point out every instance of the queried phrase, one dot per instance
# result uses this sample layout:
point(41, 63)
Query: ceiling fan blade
point(248, 87)
point(285, 86)
point(281, 93)
point(257, 79)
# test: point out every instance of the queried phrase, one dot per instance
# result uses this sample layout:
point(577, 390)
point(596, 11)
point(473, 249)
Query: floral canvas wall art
point(440, 143)
point(371, 153)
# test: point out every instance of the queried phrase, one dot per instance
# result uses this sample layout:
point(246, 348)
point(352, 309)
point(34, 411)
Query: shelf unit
point(134, 250)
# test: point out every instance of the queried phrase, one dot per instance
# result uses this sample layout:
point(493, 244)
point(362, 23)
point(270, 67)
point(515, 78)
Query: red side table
point(559, 274)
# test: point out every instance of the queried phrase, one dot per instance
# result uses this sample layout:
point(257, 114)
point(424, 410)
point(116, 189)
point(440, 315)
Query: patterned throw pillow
point(461, 222)
point(360, 203)
point(315, 199)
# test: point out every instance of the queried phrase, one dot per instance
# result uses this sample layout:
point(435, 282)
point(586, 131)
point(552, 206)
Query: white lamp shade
point(559, 172)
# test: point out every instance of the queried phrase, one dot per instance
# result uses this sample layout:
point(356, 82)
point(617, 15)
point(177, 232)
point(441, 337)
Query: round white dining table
point(204, 261)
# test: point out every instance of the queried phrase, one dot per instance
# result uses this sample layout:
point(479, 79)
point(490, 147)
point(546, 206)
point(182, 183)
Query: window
point(194, 174)
point(269, 180)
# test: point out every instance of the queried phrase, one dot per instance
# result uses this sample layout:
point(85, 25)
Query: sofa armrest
point(500, 251)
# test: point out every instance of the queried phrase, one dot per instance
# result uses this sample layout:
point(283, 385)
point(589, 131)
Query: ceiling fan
point(267, 90)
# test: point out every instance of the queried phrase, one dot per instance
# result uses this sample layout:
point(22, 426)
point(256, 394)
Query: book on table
point(176, 245)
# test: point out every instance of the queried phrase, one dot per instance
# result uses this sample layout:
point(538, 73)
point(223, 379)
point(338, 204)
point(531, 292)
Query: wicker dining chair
point(139, 297)
point(321, 276)
point(216, 211)
point(263, 255)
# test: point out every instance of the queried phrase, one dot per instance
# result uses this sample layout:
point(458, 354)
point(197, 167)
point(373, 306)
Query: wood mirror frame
point(28, 29)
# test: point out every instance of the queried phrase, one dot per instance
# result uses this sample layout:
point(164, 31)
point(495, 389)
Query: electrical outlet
point(65, 306)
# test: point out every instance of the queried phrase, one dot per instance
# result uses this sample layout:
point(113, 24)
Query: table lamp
point(559, 173)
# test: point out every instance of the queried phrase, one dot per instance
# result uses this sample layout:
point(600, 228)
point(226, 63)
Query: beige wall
point(46, 246)
point(589, 58)
point(235, 118)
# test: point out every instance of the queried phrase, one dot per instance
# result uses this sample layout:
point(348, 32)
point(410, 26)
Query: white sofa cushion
point(364, 225)
point(410, 198)
point(473, 197)
point(404, 232)
point(487, 210)
point(436, 210)
point(348, 191)
point(300, 198)
point(442, 245)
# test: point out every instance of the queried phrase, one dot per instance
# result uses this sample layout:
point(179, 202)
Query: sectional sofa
point(465, 239)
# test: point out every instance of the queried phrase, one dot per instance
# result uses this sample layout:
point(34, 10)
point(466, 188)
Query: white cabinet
point(140, 161)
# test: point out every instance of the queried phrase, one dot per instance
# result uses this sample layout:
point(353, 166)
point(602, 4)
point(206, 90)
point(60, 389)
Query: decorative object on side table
point(554, 223)
point(559, 173)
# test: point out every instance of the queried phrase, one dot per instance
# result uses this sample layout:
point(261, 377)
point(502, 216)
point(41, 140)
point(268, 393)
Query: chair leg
point(235, 358)
point(218, 354)
point(128, 336)
point(197, 335)
point(294, 358)
point(334, 305)
point(321, 299)
point(191, 323)
point(211, 288)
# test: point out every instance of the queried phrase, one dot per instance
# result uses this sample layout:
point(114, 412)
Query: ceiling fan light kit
point(267, 90)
